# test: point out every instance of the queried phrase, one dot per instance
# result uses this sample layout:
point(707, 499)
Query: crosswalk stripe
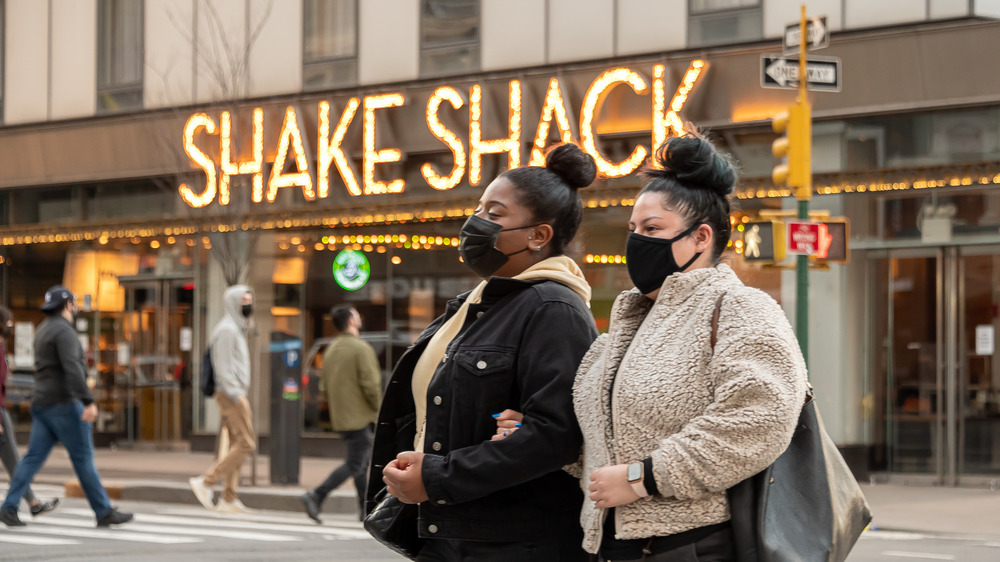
point(111, 534)
point(184, 529)
point(36, 541)
point(244, 522)
point(331, 521)
point(288, 528)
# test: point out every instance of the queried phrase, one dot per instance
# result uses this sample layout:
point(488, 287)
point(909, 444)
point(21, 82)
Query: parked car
point(20, 390)
point(315, 412)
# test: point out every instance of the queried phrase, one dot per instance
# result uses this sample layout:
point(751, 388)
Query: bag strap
point(715, 319)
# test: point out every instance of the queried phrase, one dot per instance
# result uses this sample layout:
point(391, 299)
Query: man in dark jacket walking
point(353, 384)
point(62, 411)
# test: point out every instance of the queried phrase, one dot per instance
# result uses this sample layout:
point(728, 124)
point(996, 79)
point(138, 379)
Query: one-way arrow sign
point(818, 35)
point(778, 71)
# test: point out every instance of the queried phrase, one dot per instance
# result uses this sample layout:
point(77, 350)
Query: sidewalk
point(150, 475)
point(162, 476)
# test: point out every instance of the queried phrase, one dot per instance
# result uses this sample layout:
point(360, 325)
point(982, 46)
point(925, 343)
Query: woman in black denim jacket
point(514, 342)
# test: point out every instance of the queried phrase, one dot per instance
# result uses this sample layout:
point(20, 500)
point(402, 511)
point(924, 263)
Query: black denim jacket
point(519, 349)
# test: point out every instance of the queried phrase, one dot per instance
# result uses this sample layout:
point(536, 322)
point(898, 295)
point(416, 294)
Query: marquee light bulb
point(667, 123)
point(449, 94)
point(290, 132)
point(555, 106)
point(253, 166)
point(477, 146)
point(591, 105)
point(385, 155)
point(195, 122)
point(330, 151)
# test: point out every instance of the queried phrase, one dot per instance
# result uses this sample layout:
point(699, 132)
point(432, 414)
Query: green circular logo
point(351, 269)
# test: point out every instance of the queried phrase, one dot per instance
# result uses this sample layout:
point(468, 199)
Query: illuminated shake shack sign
point(209, 144)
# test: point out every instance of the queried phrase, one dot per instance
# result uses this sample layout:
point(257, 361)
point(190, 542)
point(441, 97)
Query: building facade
point(152, 152)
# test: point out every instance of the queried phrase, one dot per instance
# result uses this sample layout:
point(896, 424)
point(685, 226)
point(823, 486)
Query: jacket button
point(437, 400)
point(481, 364)
point(445, 358)
point(432, 528)
point(436, 445)
point(441, 502)
point(479, 314)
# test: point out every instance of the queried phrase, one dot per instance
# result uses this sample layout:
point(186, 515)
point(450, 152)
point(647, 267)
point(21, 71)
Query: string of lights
point(608, 195)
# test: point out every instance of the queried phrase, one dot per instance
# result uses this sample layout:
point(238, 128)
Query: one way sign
point(817, 35)
point(778, 71)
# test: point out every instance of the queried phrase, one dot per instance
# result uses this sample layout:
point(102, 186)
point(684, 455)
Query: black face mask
point(478, 245)
point(246, 310)
point(651, 260)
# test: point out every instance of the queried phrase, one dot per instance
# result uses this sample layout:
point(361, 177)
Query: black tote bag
point(805, 506)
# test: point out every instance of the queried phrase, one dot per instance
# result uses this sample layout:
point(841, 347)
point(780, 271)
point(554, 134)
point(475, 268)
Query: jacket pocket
point(484, 378)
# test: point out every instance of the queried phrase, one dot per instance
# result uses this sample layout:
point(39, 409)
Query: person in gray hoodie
point(231, 365)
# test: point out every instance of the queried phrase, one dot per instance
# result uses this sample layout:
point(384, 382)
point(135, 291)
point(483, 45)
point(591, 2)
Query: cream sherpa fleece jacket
point(653, 387)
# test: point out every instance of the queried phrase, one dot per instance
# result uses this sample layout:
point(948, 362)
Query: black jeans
point(717, 547)
point(359, 447)
point(566, 547)
point(8, 451)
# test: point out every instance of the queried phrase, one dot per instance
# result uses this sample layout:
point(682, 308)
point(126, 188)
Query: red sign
point(810, 238)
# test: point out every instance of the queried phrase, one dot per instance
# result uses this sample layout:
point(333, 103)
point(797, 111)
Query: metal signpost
point(805, 237)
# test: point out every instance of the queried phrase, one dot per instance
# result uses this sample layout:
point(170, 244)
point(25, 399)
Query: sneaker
point(114, 517)
point(311, 503)
point(9, 518)
point(235, 506)
point(44, 507)
point(201, 491)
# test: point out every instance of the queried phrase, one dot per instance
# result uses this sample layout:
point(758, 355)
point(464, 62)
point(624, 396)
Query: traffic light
point(795, 148)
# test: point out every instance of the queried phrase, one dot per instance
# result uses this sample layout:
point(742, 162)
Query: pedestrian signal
point(764, 242)
point(833, 247)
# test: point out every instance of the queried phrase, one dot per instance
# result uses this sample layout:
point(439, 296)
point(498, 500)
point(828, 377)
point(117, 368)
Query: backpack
point(207, 374)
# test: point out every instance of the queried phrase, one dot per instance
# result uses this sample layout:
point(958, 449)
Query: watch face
point(634, 472)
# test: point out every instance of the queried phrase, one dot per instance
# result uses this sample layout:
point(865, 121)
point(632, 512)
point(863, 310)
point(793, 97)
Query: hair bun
point(695, 163)
point(572, 165)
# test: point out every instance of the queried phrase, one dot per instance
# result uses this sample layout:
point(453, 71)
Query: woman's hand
point(609, 487)
point(507, 422)
point(403, 478)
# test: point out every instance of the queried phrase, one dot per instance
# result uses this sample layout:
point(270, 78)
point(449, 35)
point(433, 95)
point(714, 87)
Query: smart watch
point(635, 474)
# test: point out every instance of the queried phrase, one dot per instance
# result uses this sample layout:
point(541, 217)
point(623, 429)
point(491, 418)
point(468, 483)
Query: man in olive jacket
point(353, 385)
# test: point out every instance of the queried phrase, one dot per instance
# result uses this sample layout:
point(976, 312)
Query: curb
point(275, 499)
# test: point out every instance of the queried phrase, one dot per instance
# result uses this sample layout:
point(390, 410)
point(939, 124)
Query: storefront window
point(119, 55)
point(936, 217)
point(330, 47)
point(928, 139)
point(716, 22)
point(449, 37)
point(413, 272)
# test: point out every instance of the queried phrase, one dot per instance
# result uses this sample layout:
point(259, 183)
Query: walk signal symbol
point(764, 242)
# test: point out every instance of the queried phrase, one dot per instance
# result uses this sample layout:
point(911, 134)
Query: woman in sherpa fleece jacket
point(656, 403)
point(669, 423)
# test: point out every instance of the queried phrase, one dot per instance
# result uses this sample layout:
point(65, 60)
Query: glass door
point(156, 330)
point(937, 382)
point(909, 361)
point(978, 374)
